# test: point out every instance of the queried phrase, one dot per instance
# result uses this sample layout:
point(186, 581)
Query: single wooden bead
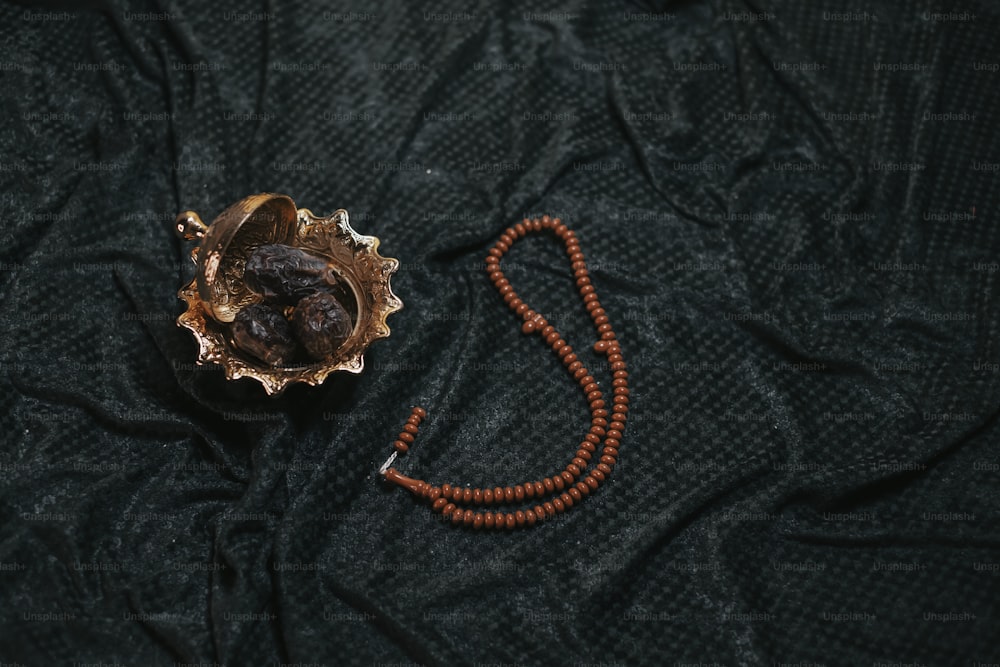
point(582, 489)
point(406, 437)
point(467, 495)
point(567, 500)
point(580, 462)
point(434, 493)
point(439, 504)
point(549, 485)
point(477, 496)
point(488, 519)
point(519, 518)
point(457, 515)
point(511, 521)
point(401, 446)
point(583, 455)
point(529, 490)
point(598, 475)
point(498, 495)
point(446, 490)
point(573, 470)
point(508, 494)
point(591, 482)
point(478, 521)
point(615, 433)
point(410, 428)
point(558, 482)
point(539, 489)
point(567, 478)
point(550, 509)
point(539, 512)
point(557, 503)
point(448, 509)
point(528, 327)
point(530, 517)
point(518, 493)
point(469, 518)
point(488, 496)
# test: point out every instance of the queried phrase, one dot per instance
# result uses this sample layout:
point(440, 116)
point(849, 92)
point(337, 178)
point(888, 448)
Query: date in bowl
point(282, 296)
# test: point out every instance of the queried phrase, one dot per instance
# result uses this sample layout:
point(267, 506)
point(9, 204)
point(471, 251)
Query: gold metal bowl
point(218, 290)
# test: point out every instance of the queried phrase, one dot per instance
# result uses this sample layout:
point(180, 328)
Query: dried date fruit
point(284, 274)
point(263, 332)
point(321, 324)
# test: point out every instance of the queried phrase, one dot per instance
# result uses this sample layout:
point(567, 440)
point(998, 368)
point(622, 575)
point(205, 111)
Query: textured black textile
point(790, 215)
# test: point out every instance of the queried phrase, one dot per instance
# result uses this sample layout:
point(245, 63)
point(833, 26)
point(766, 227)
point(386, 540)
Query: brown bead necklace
point(563, 490)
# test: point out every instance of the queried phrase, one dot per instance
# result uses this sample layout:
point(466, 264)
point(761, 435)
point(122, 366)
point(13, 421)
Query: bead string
point(567, 488)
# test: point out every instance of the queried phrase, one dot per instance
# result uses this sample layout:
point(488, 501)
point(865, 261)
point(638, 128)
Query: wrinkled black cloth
point(789, 211)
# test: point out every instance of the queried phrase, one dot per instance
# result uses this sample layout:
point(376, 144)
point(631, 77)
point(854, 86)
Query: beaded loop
point(589, 468)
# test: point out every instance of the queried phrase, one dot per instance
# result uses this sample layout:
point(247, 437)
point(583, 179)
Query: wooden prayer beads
point(596, 454)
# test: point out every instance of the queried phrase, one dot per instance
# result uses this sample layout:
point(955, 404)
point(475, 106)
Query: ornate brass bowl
point(218, 290)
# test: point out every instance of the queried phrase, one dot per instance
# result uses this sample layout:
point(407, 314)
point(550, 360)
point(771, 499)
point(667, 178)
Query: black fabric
point(789, 211)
